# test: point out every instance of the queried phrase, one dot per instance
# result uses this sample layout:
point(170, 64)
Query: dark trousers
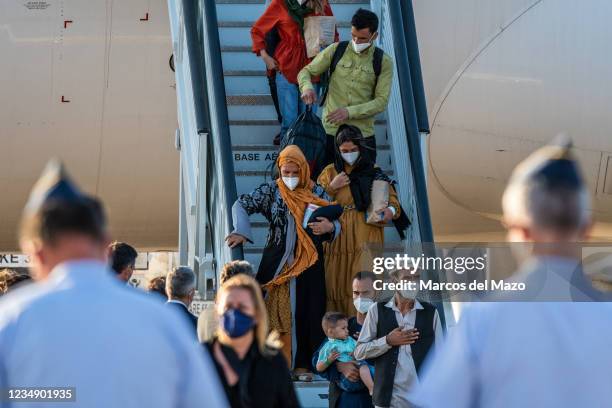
point(309, 310)
point(330, 150)
point(274, 94)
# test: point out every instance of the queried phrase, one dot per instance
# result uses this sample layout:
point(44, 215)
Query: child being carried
point(339, 346)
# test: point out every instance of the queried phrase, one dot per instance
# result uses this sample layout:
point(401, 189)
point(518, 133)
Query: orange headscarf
point(305, 254)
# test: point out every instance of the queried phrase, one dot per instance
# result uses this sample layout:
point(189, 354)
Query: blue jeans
point(289, 102)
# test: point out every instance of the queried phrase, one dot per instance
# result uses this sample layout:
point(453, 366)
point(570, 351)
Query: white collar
point(391, 305)
point(177, 302)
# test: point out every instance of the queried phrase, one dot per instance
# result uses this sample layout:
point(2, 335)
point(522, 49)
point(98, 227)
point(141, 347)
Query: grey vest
point(385, 364)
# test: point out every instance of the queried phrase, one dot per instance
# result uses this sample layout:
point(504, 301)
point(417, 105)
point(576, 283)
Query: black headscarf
point(364, 170)
point(362, 177)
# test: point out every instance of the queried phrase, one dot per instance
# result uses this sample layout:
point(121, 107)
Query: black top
point(189, 317)
point(264, 379)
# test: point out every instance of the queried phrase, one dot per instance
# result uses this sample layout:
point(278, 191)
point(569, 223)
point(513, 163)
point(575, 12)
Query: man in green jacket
point(356, 94)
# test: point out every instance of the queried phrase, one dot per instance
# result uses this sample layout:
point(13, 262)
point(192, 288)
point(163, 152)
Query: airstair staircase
point(253, 119)
point(227, 122)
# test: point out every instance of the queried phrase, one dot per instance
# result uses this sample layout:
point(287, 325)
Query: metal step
point(238, 33)
point(256, 107)
point(251, 112)
point(249, 24)
point(313, 394)
point(236, 85)
point(235, 61)
point(251, 11)
point(261, 132)
point(259, 157)
point(362, 3)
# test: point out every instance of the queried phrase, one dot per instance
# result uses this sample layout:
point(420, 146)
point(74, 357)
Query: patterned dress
point(307, 291)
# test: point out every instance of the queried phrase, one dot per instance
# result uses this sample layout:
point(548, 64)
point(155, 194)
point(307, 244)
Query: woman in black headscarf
point(348, 181)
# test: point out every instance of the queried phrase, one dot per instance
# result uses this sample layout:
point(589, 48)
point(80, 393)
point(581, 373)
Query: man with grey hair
point(180, 289)
point(550, 346)
point(397, 336)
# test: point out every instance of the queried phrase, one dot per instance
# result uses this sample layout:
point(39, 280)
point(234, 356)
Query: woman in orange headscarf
point(291, 270)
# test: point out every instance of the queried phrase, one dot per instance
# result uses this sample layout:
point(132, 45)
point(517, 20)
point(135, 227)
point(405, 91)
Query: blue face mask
point(235, 323)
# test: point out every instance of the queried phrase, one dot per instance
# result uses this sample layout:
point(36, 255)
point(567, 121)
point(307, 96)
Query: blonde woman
point(252, 370)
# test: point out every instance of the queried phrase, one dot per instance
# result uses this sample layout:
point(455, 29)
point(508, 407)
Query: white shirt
point(118, 347)
point(528, 354)
point(370, 345)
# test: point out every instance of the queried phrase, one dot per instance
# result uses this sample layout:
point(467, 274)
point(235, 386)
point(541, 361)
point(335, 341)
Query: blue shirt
point(525, 354)
point(344, 347)
point(116, 346)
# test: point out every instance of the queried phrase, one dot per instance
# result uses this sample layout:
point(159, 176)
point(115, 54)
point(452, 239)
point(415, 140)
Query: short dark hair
point(234, 268)
point(85, 216)
point(10, 278)
point(331, 319)
point(158, 285)
point(349, 133)
point(365, 19)
point(365, 275)
point(121, 255)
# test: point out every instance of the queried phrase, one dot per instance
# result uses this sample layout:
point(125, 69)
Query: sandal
point(303, 376)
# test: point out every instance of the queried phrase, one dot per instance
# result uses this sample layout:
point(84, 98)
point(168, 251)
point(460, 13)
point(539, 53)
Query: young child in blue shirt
point(339, 346)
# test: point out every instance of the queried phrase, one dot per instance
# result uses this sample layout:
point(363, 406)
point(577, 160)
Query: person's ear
point(374, 36)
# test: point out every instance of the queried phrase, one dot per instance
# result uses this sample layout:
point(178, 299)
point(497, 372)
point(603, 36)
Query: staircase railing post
point(414, 60)
point(413, 135)
point(219, 120)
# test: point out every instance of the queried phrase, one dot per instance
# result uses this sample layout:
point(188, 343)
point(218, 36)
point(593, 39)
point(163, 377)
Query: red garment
point(291, 51)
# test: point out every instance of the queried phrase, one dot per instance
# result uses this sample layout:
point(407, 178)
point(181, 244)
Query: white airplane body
point(90, 82)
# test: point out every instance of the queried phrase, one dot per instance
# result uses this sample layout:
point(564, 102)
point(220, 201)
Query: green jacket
point(353, 85)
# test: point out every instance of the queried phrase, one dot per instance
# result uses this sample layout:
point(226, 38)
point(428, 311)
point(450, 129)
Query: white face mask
point(409, 294)
point(362, 304)
point(359, 48)
point(301, 2)
point(351, 157)
point(291, 182)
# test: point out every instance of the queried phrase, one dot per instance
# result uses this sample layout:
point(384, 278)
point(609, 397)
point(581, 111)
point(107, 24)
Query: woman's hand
point(339, 181)
point(233, 240)
point(387, 216)
point(322, 226)
point(271, 63)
